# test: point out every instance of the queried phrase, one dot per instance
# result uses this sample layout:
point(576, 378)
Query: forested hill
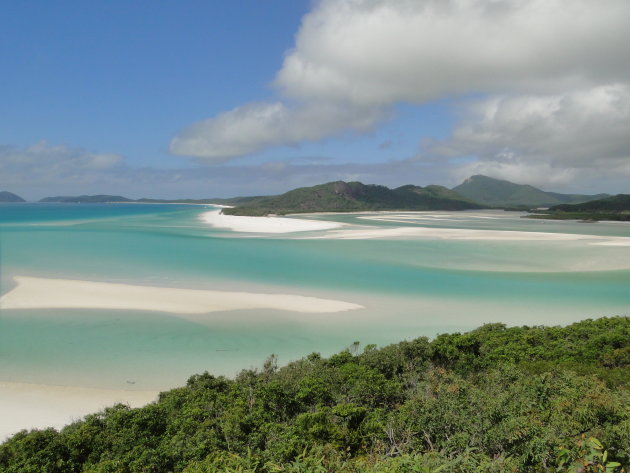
point(87, 199)
point(611, 208)
point(497, 399)
point(617, 203)
point(6, 196)
point(342, 196)
point(499, 193)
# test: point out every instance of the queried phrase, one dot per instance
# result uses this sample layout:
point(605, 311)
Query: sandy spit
point(43, 293)
point(265, 224)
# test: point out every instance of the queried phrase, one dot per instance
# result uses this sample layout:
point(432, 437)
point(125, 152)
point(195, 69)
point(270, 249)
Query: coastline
point(343, 231)
point(264, 224)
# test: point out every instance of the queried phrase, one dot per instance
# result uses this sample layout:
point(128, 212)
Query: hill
point(610, 208)
point(86, 199)
point(499, 193)
point(10, 197)
point(340, 196)
point(616, 203)
point(497, 399)
point(218, 200)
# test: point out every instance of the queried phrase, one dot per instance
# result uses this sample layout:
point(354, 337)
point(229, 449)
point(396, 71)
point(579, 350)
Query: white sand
point(30, 406)
point(619, 241)
point(265, 224)
point(468, 234)
point(40, 293)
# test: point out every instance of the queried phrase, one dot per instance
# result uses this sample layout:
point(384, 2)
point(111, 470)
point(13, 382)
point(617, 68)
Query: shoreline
point(239, 223)
point(26, 406)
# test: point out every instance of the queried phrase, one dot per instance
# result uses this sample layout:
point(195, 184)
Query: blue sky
point(202, 99)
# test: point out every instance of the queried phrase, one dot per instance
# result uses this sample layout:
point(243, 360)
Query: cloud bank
point(549, 140)
point(44, 170)
point(354, 60)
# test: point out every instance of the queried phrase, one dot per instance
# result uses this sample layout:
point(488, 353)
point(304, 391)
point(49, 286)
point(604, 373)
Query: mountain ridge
point(501, 193)
point(340, 196)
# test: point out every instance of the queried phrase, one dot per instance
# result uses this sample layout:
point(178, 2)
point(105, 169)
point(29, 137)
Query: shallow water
point(409, 286)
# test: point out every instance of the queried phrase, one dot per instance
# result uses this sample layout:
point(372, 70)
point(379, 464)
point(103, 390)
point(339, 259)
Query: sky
point(199, 99)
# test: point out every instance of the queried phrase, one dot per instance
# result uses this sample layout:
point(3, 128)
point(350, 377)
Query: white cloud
point(354, 59)
point(385, 51)
point(256, 126)
point(45, 161)
point(549, 140)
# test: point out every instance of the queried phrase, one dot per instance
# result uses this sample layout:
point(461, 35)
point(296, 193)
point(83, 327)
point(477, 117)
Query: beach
point(264, 224)
point(38, 406)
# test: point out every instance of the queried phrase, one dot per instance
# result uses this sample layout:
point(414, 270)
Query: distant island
point(610, 208)
point(476, 192)
point(505, 194)
point(87, 199)
point(340, 196)
point(10, 197)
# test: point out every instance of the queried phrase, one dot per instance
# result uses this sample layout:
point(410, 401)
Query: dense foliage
point(342, 196)
point(497, 399)
point(86, 199)
point(616, 203)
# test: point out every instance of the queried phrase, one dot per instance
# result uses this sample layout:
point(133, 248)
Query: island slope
point(340, 196)
point(500, 193)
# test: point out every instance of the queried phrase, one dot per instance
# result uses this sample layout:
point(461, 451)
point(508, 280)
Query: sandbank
point(468, 234)
point(43, 293)
point(265, 224)
point(31, 406)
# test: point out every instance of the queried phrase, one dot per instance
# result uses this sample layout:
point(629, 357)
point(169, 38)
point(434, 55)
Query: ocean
point(443, 272)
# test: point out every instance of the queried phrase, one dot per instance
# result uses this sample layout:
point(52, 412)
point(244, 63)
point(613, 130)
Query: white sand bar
point(41, 293)
point(37, 406)
point(265, 224)
point(469, 234)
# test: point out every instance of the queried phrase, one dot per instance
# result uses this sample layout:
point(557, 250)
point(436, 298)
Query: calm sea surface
point(409, 287)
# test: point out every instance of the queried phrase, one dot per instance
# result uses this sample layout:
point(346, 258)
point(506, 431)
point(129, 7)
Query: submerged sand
point(43, 293)
point(38, 406)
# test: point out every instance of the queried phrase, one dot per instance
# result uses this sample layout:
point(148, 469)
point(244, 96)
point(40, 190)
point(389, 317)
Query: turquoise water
point(409, 287)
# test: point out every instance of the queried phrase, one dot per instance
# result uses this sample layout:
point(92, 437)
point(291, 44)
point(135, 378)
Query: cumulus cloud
point(384, 51)
point(549, 140)
point(255, 126)
point(354, 59)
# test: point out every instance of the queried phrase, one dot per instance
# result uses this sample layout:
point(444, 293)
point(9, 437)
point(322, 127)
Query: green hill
point(10, 197)
point(499, 193)
point(616, 203)
point(342, 196)
point(610, 208)
point(496, 399)
point(87, 199)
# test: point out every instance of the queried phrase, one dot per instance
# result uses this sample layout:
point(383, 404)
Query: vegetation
point(506, 194)
point(342, 196)
point(10, 197)
point(87, 199)
point(497, 399)
point(610, 208)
